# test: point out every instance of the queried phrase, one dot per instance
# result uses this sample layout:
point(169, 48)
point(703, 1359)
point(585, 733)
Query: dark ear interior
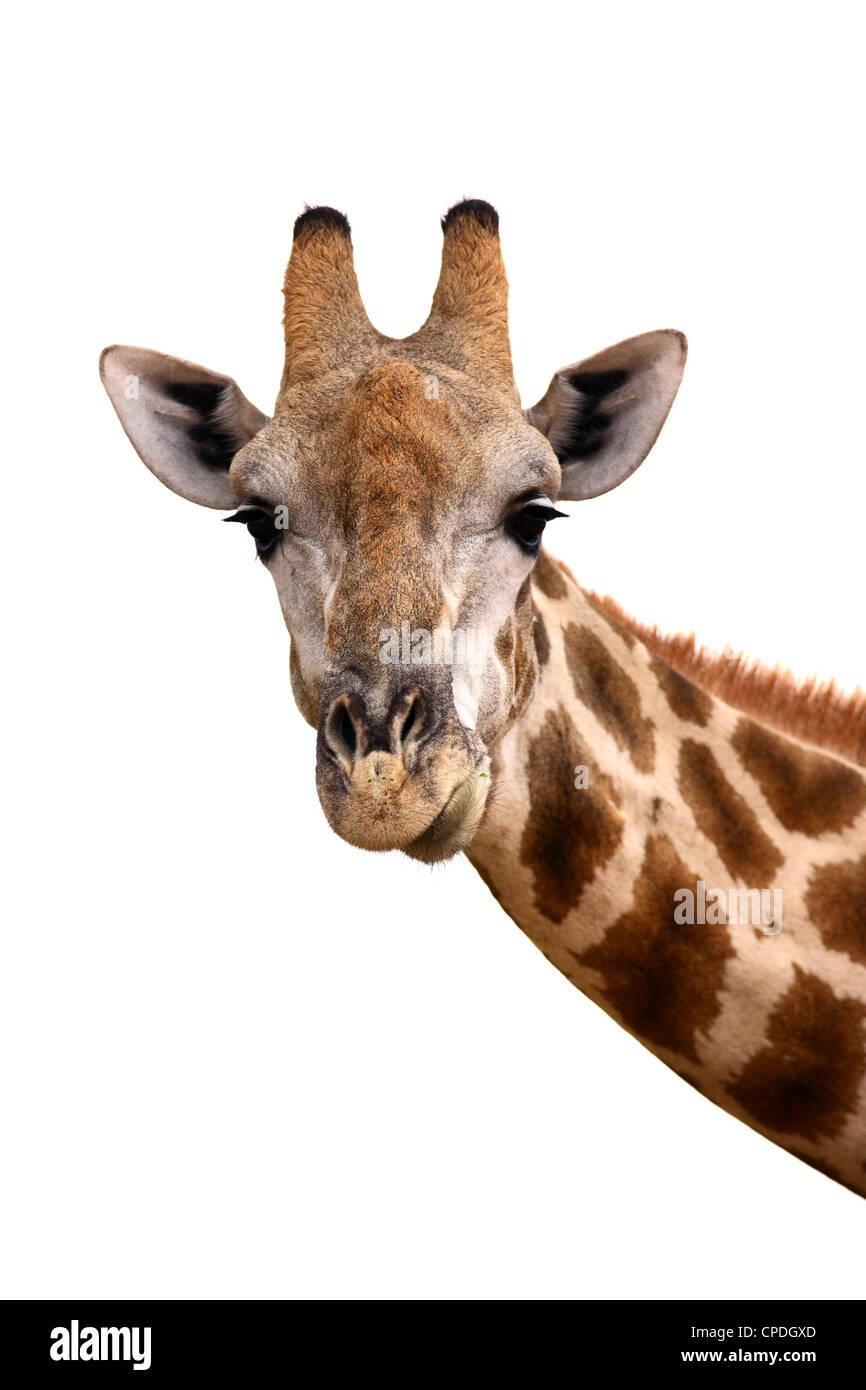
point(186, 422)
point(603, 415)
point(211, 427)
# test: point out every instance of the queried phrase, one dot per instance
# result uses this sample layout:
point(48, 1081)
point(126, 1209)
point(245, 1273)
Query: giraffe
point(598, 775)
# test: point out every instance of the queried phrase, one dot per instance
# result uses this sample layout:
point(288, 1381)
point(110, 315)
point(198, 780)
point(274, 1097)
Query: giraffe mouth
point(457, 822)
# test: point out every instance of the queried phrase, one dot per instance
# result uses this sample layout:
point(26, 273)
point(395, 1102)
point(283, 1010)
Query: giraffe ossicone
point(593, 770)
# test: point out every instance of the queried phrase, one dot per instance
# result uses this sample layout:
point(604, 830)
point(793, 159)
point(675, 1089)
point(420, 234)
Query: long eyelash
point(541, 511)
point(536, 511)
point(251, 515)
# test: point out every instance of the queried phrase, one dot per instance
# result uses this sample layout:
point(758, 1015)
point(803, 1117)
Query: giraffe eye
point(527, 525)
point(261, 526)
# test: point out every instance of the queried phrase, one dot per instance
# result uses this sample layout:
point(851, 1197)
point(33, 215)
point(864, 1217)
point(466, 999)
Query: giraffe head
point(397, 496)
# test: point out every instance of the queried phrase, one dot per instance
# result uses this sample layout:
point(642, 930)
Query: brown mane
point(817, 712)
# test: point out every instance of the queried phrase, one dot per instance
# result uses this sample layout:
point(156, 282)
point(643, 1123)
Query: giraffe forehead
point(404, 455)
point(407, 435)
point(399, 464)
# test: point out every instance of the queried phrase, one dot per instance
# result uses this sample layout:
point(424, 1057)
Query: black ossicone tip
point(484, 213)
point(323, 217)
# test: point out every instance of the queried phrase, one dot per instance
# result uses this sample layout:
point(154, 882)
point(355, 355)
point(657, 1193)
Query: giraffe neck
point(698, 875)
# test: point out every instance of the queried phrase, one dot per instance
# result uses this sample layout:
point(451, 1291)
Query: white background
point(241, 1058)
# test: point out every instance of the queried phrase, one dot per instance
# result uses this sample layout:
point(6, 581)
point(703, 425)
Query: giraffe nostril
point(344, 728)
point(409, 721)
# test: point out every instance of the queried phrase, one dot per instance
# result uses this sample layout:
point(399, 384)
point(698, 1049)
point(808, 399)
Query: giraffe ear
point(186, 423)
point(603, 415)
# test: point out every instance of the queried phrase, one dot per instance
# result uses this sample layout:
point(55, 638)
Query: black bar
point(198, 1342)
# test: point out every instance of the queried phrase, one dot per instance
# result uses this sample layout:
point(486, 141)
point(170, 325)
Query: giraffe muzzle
point(400, 774)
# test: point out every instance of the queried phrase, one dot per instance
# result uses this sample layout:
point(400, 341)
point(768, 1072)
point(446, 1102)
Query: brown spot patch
point(524, 659)
point(805, 1080)
point(505, 641)
point(548, 577)
point(604, 687)
point(570, 833)
point(687, 700)
point(525, 668)
point(725, 817)
point(807, 791)
point(542, 641)
point(835, 899)
point(663, 979)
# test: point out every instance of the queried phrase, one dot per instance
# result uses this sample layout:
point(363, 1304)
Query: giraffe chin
point(457, 822)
